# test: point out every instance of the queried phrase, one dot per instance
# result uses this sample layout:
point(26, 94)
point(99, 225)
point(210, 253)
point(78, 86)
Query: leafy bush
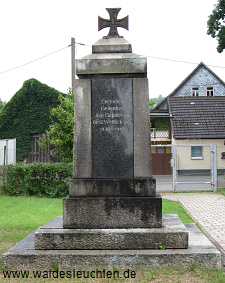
point(42, 179)
point(60, 134)
point(162, 124)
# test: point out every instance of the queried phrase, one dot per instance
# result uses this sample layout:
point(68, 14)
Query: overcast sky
point(167, 29)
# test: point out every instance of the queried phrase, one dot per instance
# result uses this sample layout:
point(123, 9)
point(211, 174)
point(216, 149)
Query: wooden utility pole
point(73, 62)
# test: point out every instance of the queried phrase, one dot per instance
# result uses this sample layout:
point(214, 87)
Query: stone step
point(52, 236)
point(200, 251)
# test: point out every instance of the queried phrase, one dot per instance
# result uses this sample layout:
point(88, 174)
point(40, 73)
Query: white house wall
point(184, 161)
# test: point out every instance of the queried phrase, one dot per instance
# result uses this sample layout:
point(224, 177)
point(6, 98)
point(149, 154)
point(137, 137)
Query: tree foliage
point(2, 104)
point(27, 113)
point(60, 133)
point(151, 103)
point(154, 101)
point(216, 26)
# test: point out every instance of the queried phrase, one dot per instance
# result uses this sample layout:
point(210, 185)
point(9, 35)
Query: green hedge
point(42, 179)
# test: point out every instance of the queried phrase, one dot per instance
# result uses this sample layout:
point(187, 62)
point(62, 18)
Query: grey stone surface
point(111, 65)
point(200, 251)
point(112, 45)
point(173, 235)
point(112, 212)
point(112, 187)
point(112, 128)
point(120, 106)
point(82, 157)
point(142, 136)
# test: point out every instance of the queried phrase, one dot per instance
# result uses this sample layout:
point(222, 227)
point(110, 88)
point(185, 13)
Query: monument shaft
point(112, 146)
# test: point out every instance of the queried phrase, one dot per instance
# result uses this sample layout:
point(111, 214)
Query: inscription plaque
point(112, 128)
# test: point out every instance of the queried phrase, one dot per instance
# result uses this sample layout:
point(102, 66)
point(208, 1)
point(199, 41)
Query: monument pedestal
point(112, 212)
point(112, 203)
point(138, 187)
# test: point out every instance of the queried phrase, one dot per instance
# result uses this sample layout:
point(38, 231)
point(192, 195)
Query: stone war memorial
point(112, 216)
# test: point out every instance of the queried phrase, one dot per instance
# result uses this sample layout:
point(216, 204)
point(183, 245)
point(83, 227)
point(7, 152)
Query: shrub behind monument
point(41, 179)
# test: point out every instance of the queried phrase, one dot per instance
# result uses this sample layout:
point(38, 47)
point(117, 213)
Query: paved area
point(203, 182)
point(207, 209)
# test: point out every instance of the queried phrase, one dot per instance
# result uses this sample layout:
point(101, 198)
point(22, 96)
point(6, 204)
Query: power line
point(78, 43)
point(173, 60)
point(215, 66)
point(180, 61)
point(34, 60)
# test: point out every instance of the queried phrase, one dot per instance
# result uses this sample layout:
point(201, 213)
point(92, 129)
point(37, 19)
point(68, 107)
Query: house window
point(209, 91)
point(161, 150)
point(196, 152)
point(195, 91)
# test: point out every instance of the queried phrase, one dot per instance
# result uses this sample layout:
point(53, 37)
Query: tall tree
point(152, 103)
point(216, 26)
point(155, 101)
point(60, 133)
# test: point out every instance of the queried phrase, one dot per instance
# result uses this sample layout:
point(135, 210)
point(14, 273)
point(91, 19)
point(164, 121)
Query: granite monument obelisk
point(112, 185)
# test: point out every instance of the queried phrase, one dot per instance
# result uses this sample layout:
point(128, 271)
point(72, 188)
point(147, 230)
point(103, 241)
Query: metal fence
point(7, 152)
point(192, 167)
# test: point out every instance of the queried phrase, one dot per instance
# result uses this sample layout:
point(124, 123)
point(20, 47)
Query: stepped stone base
point(200, 251)
point(52, 236)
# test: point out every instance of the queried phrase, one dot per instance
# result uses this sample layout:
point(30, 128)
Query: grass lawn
point(171, 207)
point(21, 215)
point(221, 191)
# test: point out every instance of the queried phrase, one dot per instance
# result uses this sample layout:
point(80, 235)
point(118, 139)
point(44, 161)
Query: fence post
point(6, 153)
point(174, 166)
point(213, 167)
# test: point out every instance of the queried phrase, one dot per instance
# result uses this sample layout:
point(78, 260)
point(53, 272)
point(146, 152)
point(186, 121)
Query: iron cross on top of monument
point(113, 23)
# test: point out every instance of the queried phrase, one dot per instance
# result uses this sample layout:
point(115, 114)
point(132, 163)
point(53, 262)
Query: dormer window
point(210, 91)
point(195, 91)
